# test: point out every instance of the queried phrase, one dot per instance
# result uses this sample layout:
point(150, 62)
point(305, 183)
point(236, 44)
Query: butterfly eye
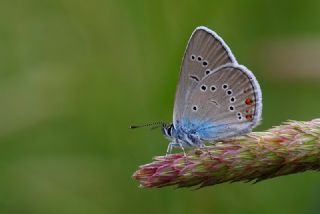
point(229, 92)
point(212, 88)
point(192, 57)
point(232, 99)
point(207, 71)
point(231, 108)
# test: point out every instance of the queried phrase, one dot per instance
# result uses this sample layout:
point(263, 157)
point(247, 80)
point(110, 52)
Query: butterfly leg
point(169, 149)
point(171, 146)
point(176, 143)
point(180, 145)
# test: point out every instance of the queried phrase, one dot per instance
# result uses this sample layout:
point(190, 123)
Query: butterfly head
point(167, 130)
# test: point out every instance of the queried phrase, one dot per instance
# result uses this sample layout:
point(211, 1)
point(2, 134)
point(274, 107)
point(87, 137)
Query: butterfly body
point(216, 98)
point(186, 136)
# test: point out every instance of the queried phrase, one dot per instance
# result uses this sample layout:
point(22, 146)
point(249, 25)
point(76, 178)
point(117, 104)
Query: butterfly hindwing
point(205, 52)
point(223, 104)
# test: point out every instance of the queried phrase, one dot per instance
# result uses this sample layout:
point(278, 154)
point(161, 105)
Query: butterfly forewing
point(205, 52)
point(224, 103)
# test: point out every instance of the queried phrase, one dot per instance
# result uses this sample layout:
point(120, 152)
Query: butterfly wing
point(223, 104)
point(205, 52)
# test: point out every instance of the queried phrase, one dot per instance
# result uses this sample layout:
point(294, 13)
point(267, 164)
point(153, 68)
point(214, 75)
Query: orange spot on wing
point(249, 101)
point(249, 116)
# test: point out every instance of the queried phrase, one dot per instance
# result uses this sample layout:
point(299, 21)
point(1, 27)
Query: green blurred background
point(76, 74)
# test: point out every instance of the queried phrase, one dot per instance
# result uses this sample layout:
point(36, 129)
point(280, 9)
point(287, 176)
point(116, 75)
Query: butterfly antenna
point(153, 125)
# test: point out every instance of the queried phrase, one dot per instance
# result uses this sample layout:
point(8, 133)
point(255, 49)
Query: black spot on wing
point(195, 78)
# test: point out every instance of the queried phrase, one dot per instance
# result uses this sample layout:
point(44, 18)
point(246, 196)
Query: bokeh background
point(75, 74)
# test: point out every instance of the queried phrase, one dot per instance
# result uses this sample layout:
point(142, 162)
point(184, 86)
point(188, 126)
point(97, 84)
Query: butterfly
point(216, 98)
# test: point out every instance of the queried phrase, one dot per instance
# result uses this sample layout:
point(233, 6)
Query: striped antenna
point(153, 125)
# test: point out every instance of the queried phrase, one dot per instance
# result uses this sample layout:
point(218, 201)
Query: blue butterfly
point(216, 98)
